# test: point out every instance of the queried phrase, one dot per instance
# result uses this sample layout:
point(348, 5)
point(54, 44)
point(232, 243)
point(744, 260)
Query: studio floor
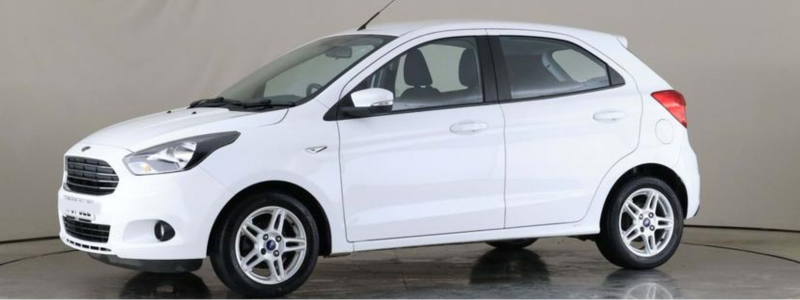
point(711, 263)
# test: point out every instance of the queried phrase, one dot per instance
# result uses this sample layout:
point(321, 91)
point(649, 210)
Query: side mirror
point(374, 101)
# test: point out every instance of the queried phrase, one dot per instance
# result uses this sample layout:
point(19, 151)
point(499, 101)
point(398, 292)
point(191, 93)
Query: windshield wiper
point(264, 103)
point(220, 101)
point(214, 102)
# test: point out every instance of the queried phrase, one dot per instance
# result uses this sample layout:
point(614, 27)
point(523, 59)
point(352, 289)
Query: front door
point(435, 163)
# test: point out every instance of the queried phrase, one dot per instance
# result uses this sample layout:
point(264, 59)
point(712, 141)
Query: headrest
point(415, 69)
point(468, 68)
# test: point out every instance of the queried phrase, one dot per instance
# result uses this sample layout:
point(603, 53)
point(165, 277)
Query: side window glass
point(538, 67)
point(439, 73)
point(580, 68)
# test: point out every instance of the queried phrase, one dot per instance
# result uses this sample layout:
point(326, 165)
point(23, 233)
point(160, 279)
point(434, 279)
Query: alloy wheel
point(271, 245)
point(646, 222)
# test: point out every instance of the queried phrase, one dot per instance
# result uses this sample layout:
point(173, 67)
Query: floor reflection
point(496, 272)
point(165, 286)
point(524, 269)
point(551, 268)
point(642, 284)
point(509, 266)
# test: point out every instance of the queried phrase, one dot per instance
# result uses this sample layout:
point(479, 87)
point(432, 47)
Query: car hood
point(150, 130)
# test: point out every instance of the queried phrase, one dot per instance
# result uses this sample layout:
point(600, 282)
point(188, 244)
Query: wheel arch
point(658, 171)
point(301, 194)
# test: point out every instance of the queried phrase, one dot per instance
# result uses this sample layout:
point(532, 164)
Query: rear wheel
point(267, 246)
point(642, 224)
point(512, 244)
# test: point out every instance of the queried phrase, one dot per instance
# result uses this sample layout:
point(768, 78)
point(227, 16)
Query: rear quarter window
point(543, 67)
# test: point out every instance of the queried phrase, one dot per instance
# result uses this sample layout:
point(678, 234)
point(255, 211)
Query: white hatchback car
point(395, 136)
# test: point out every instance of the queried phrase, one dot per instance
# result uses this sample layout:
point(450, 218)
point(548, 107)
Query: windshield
point(302, 73)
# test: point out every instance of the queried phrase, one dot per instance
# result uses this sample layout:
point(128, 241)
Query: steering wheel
point(312, 88)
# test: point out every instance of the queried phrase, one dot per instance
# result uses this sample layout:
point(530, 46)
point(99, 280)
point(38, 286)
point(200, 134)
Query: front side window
point(539, 67)
point(439, 73)
point(302, 73)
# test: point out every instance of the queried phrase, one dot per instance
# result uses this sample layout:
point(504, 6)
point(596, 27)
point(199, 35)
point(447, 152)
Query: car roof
point(423, 27)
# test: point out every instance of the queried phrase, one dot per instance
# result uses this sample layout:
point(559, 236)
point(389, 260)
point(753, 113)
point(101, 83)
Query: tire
point(653, 240)
point(231, 242)
point(512, 244)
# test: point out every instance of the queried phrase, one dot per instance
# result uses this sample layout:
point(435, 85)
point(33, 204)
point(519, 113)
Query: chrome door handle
point(609, 115)
point(468, 127)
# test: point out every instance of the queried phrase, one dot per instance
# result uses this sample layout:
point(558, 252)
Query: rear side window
point(539, 67)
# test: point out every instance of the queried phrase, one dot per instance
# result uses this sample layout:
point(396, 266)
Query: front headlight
point(176, 156)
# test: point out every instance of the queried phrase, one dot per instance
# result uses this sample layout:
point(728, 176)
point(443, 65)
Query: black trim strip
point(487, 72)
point(503, 83)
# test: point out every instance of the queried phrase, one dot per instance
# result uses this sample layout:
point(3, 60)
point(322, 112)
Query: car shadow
point(165, 286)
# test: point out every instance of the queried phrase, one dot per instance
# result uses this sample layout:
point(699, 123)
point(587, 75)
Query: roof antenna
point(375, 15)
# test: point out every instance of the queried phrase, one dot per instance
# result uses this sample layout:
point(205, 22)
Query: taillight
point(673, 101)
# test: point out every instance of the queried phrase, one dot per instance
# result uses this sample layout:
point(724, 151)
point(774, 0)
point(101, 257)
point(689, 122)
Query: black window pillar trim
point(503, 82)
point(487, 70)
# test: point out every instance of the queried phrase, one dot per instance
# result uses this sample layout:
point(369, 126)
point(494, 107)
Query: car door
point(435, 163)
point(569, 117)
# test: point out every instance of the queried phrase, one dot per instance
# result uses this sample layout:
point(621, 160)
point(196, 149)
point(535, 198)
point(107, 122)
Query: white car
point(398, 135)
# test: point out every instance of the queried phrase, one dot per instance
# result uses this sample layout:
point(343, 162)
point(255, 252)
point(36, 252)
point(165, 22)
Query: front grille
point(86, 231)
point(90, 176)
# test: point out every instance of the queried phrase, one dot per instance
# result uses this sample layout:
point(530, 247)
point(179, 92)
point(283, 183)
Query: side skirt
point(555, 230)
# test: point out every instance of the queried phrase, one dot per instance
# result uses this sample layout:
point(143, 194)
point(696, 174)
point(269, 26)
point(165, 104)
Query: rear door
point(569, 115)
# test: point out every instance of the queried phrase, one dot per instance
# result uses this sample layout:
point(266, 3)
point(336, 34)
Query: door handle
point(468, 127)
point(609, 116)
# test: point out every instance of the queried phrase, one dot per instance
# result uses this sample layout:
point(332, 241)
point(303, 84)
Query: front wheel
point(266, 247)
point(642, 224)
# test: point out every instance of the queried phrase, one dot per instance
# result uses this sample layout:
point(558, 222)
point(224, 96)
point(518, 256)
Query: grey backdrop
point(68, 68)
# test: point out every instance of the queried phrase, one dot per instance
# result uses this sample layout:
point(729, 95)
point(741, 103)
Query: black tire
point(610, 241)
point(224, 257)
point(512, 244)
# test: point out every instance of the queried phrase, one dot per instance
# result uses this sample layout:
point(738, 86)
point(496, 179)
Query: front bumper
point(189, 201)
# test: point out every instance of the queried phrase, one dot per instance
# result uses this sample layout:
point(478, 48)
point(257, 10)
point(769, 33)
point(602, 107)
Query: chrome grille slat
point(90, 176)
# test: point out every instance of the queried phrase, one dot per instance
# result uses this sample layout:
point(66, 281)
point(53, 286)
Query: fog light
point(164, 232)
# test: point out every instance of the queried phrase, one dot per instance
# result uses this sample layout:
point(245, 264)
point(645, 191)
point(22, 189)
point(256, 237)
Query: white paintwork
point(665, 131)
point(409, 175)
point(488, 172)
point(372, 97)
